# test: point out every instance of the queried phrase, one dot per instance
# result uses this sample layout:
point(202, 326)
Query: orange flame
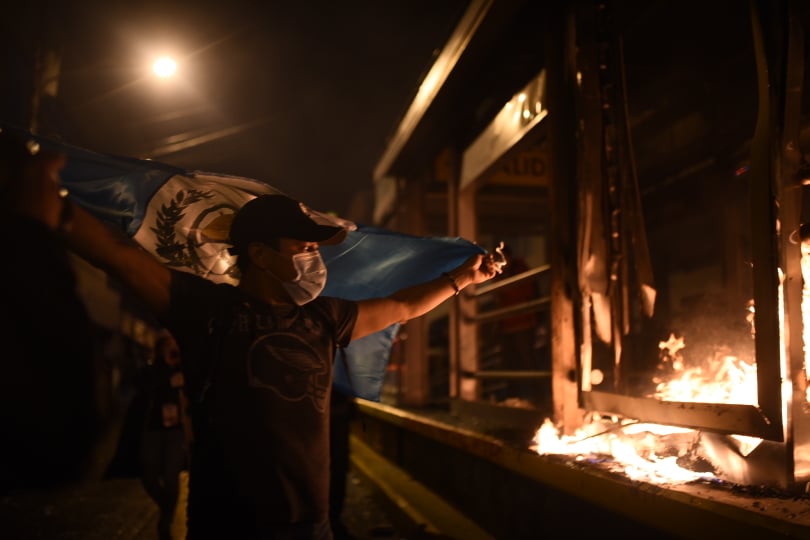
point(657, 453)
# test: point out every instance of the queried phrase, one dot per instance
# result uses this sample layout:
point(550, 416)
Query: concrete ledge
point(512, 492)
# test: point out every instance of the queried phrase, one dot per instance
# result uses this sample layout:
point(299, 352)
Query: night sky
point(311, 90)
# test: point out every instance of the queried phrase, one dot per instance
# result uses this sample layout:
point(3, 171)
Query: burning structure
point(692, 263)
point(646, 160)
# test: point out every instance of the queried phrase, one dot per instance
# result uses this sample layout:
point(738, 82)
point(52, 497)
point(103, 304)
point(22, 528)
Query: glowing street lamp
point(164, 67)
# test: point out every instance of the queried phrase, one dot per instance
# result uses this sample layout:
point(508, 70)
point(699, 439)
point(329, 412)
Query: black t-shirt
point(259, 377)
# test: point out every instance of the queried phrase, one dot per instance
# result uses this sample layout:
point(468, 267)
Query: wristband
point(452, 281)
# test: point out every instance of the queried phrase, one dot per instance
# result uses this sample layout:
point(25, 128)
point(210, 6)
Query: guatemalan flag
point(183, 217)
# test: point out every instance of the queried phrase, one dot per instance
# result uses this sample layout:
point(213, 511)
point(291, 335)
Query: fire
point(722, 378)
point(657, 453)
point(636, 449)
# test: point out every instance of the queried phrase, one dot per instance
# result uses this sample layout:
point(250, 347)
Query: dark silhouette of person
point(257, 360)
point(48, 407)
point(163, 445)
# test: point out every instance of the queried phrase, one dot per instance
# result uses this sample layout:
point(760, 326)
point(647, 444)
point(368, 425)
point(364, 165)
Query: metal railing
point(496, 314)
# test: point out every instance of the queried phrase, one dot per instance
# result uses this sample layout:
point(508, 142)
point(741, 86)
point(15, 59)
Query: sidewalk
point(382, 503)
point(111, 509)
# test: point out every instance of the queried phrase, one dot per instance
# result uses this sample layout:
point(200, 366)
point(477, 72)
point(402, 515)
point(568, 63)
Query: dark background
point(302, 95)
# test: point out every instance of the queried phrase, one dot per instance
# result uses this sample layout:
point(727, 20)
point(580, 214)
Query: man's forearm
point(411, 302)
point(119, 256)
point(420, 299)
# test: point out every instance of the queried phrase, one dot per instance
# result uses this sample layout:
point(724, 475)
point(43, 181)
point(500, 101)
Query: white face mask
point(310, 277)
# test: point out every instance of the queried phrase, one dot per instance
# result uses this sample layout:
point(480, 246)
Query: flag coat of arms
point(183, 218)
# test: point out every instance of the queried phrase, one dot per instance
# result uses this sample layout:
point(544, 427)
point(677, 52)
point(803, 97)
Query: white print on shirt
point(287, 365)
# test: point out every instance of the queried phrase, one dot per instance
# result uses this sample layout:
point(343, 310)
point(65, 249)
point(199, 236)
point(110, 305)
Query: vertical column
point(561, 90)
point(415, 371)
point(466, 307)
point(450, 157)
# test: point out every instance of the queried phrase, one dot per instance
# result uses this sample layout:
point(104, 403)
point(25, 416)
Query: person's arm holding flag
point(375, 314)
point(40, 196)
point(120, 256)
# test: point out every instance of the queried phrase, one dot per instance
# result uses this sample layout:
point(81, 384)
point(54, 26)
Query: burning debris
point(656, 453)
point(645, 452)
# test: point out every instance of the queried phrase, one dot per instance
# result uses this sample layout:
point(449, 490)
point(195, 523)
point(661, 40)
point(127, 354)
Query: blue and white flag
point(183, 217)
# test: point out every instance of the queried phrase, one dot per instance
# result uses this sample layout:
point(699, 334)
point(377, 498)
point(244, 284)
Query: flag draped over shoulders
point(183, 218)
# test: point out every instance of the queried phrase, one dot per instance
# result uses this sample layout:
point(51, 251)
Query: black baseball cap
point(268, 217)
